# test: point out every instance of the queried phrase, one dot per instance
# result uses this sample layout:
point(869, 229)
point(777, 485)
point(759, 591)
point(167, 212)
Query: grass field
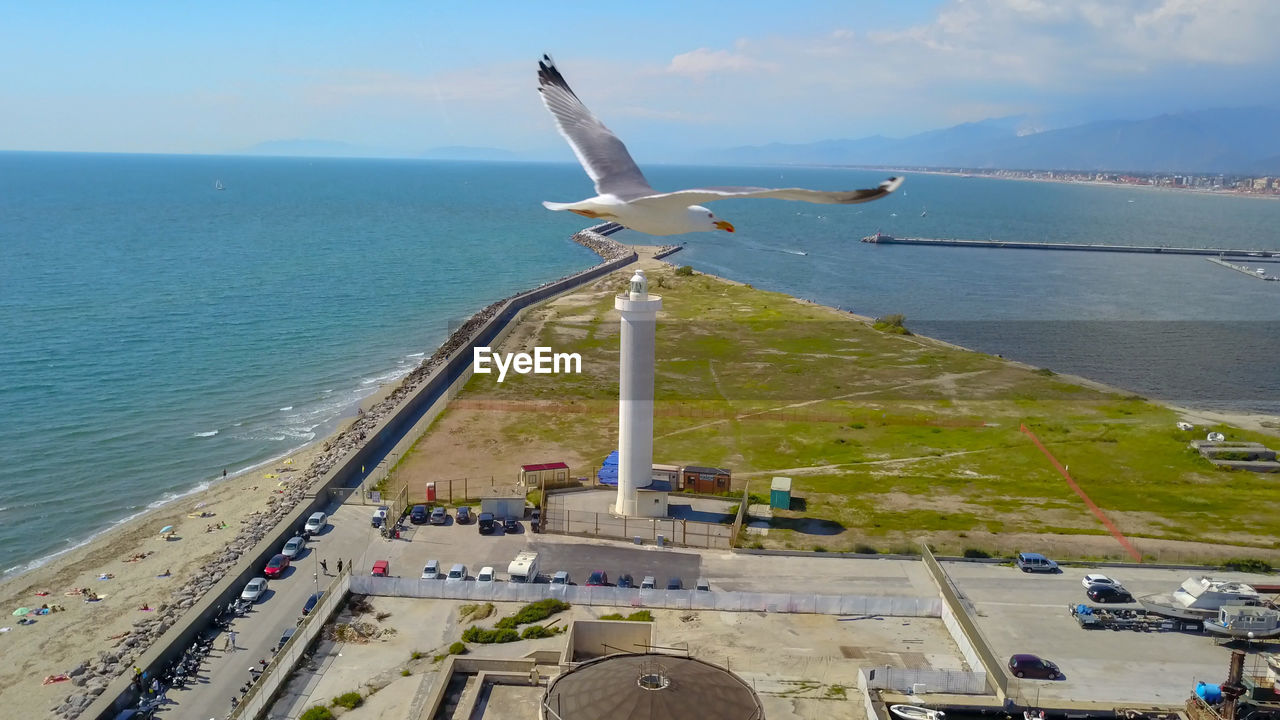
point(889, 438)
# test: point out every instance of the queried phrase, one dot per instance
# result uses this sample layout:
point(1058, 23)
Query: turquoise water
point(156, 331)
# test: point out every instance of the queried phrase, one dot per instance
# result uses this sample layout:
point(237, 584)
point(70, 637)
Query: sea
point(156, 330)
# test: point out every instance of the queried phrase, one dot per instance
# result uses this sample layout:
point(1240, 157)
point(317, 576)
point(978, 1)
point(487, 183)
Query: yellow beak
point(721, 224)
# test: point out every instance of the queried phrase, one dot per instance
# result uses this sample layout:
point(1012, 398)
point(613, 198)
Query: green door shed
point(780, 493)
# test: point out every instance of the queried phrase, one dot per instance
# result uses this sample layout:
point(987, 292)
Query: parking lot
point(1029, 613)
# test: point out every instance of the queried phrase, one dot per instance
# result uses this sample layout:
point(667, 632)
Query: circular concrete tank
point(645, 687)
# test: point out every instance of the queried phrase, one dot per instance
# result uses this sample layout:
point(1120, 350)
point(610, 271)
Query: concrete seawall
point(370, 439)
point(1088, 247)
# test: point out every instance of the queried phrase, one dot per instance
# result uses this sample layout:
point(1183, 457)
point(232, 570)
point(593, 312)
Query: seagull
point(626, 198)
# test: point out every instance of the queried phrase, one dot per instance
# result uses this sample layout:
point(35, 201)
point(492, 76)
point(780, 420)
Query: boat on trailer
point(915, 712)
point(1245, 622)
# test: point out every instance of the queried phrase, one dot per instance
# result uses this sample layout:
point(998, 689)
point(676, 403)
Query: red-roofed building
point(541, 474)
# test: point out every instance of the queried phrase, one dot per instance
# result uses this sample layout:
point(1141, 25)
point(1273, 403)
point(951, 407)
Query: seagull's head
point(702, 219)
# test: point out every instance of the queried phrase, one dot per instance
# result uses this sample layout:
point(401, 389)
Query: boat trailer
point(1097, 618)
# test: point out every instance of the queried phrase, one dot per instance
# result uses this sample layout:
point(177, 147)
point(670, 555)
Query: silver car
point(294, 547)
point(254, 590)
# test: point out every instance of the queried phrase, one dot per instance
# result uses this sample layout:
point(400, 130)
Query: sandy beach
point(56, 643)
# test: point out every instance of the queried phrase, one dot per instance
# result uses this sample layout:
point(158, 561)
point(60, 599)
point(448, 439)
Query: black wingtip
point(549, 75)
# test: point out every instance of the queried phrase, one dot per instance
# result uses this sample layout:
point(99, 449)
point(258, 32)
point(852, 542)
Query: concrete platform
point(1029, 613)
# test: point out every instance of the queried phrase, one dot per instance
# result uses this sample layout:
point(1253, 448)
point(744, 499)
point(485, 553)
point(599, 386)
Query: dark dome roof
point(641, 687)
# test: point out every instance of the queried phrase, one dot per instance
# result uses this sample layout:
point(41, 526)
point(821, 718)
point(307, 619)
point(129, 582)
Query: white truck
point(524, 568)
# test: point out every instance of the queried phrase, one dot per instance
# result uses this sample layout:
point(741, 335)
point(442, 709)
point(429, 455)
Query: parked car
point(674, 584)
point(1091, 580)
point(599, 578)
point(431, 571)
point(439, 516)
point(315, 524)
point(485, 523)
point(648, 583)
point(463, 516)
point(293, 548)
point(1030, 666)
point(418, 515)
point(312, 600)
point(379, 516)
point(561, 578)
point(703, 585)
point(626, 581)
point(276, 566)
point(284, 638)
point(1035, 562)
point(381, 568)
point(485, 575)
point(510, 525)
point(253, 591)
point(457, 573)
point(1108, 594)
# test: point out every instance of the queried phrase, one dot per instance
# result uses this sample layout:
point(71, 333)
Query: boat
point(1200, 599)
point(217, 185)
point(878, 237)
point(915, 712)
point(1250, 622)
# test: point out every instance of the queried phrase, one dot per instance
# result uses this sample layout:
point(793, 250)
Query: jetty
point(1259, 273)
point(882, 239)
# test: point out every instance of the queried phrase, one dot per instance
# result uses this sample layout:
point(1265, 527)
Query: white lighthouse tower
point(639, 312)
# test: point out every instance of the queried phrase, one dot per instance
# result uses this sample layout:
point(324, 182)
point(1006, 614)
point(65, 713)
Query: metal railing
point(886, 605)
point(263, 692)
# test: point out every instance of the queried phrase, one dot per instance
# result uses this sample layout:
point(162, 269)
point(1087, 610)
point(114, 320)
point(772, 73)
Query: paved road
point(223, 673)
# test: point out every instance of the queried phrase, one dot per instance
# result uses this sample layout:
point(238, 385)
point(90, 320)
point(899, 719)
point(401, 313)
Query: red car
point(276, 566)
point(381, 568)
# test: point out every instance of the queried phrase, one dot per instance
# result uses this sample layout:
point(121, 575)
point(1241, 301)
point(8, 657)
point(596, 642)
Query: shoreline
point(129, 565)
point(1092, 183)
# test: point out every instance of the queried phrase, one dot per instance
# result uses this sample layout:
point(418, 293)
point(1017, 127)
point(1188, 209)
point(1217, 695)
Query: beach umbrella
point(22, 611)
point(166, 529)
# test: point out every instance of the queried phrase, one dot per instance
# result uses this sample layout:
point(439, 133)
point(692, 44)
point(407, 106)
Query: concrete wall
point(651, 504)
point(443, 383)
point(963, 629)
point(503, 507)
point(596, 638)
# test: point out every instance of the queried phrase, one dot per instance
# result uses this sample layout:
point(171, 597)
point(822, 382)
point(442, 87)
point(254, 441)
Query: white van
point(315, 523)
point(457, 573)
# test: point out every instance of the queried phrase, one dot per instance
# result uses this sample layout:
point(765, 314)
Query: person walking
point(231, 641)
point(339, 566)
point(324, 566)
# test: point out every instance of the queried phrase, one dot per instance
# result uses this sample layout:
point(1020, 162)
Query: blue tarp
point(608, 474)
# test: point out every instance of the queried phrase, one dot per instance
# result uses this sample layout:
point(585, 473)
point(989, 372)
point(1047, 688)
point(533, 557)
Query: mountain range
point(1230, 140)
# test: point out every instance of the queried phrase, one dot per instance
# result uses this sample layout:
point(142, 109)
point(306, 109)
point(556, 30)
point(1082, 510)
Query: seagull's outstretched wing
point(601, 153)
point(694, 196)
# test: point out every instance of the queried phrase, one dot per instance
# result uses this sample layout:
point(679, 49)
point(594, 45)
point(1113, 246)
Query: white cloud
point(703, 62)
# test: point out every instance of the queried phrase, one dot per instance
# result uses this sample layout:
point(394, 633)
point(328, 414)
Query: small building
point(503, 501)
point(780, 493)
point(542, 474)
point(651, 501)
point(695, 478)
point(669, 474)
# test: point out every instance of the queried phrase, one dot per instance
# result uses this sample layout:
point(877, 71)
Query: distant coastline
point(1074, 178)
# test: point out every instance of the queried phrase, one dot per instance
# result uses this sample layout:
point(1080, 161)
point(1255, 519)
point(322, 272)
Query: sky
point(399, 78)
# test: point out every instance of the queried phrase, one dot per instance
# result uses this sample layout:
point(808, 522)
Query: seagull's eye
point(710, 215)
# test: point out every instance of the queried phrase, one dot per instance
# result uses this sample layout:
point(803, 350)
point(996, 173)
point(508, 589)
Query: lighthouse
point(639, 312)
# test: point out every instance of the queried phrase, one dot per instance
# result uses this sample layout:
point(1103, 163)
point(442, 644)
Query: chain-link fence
point(263, 692)
point(916, 681)
point(884, 605)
